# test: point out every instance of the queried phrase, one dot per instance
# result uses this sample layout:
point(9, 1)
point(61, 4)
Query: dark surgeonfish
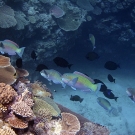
point(110, 65)
point(76, 98)
point(19, 63)
point(33, 55)
point(110, 78)
point(59, 61)
point(40, 67)
point(109, 94)
point(103, 86)
point(92, 56)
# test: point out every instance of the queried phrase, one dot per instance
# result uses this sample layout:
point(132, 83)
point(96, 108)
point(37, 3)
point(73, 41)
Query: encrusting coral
point(39, 90)
point(45, 108)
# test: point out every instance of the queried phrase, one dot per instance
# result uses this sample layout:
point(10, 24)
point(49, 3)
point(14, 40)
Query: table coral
point(15, 122)
point(70, 124)
point(7, 75)
point(4, 61)
point(7, 93)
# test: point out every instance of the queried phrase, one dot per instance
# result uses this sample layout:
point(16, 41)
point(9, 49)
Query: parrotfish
point(10, 47)
point(77, 80)
point(92, 39)
point(107, 106)
point(131, 93)
point(52, 75)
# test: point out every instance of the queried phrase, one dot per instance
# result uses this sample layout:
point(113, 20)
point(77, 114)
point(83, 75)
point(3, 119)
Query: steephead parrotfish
point(10, 47)
point(52, 75)
point(80, 81)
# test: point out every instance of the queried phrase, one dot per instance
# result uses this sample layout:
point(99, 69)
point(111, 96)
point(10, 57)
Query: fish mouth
point(129, 94)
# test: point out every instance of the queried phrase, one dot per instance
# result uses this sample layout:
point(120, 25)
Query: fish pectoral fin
point(73, 88)
point(73, 81)
point(63, 84)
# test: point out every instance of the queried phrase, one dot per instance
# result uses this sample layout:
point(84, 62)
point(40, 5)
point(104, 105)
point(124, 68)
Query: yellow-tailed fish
point(10, 47)
point(92, 39)
point(52, 75)
point(80, 81)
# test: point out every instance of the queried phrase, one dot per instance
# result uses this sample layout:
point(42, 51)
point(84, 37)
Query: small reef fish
point(110, 78)
point(92, 56)
point(59, 61)
point(110, 65)
point(33, 55)
point(52, 75)
point(77, 80)
point(11, 48)
point(131, 93)
point(19, 63)
point(92, 39)
point(103, 86)
point(76, 98)
point(108, 93)
point(40, 67)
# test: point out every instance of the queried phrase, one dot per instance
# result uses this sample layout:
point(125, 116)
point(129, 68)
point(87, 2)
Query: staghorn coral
point(45, 108)
point(4, 61)
point(7, 17)
point(5, 130)
point(7, 75)
point(7, 93)
point(90, 128)
point(39, 90)
point(15, 122)
point(21, 108)
point(70, 124)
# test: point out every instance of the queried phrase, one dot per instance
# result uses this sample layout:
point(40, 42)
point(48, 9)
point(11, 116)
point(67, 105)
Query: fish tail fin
point(69, 66)
point(114, 80)
point(81, 100)
point(115, 98)
point(20, 51)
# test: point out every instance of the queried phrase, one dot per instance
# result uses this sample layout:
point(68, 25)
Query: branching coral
point(21, 108)
point(7, 93)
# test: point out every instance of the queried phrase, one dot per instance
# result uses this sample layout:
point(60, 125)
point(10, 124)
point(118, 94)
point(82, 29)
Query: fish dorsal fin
point(6, 40)
point(91, 80)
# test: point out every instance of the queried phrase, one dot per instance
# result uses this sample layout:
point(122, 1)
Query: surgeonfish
point(110, 65)
point(92, 39)
point(110, 78)
point(33, 55)
point(10, 47)
point(59, 61)
point(77, 80)
point(131, 93)
point(52, 75)
point(76, 98)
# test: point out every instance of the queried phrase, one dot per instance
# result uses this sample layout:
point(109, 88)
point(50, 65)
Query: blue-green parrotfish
point(77, 80)
point(52, 75)
point(10, 47)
